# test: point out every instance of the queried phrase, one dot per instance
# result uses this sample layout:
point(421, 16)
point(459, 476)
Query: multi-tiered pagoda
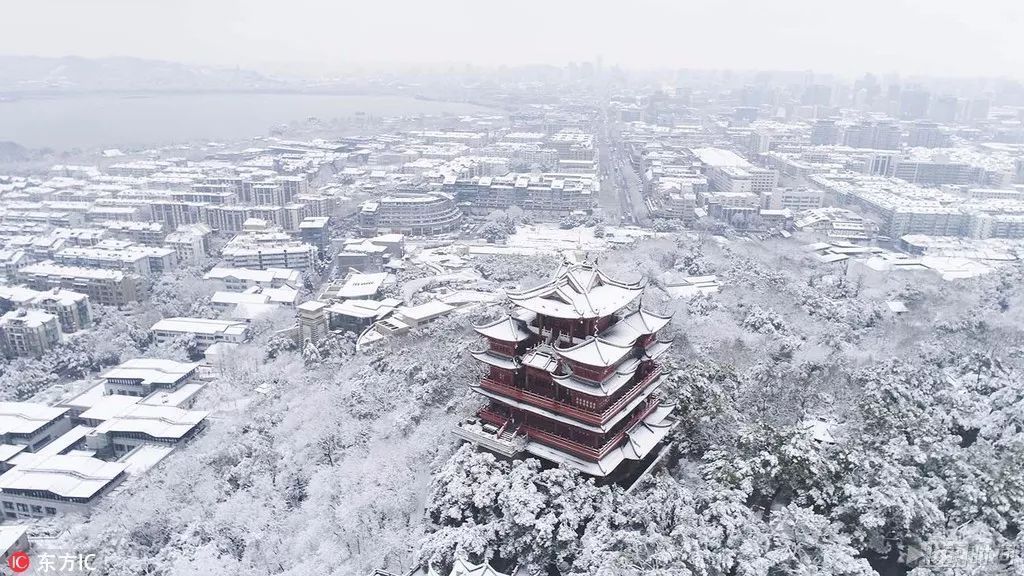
point(573, 374)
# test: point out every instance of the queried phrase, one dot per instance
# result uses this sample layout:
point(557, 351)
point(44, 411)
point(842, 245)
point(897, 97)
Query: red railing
point(633, 392)
point(564, 444)
point(593, 418)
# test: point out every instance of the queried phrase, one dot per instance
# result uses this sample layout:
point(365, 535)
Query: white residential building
point(241, 279)
point(29, 332)
point(42, 485)
point(206, 331)
point(111, 287)
point(30, 424)
point(71, 308)
point(262, 249)
point(142, 376)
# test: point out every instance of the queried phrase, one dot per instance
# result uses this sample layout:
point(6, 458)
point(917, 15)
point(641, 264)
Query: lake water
point(110, 121)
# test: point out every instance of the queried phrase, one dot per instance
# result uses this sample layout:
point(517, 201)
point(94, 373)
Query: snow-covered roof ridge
point(578, 291)
point(595, 351)
point(463, 567)
point(506, 329)
point(622, 375)
point(636, 324)
point(485, 356)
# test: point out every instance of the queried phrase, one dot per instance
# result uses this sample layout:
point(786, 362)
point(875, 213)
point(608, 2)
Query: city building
point(313, 321)
point(145, 233)
point(190, 243)
point(110, 287)
point(71, 308)
point(205, 331)
point(927, 135)
point(878, 135)
point(30, 424)
point(119, 426)
point(572, 375)
point(795, 199)
point(262, 246)
point(548, 195)
point(412, 213)
point(142, 376)
point(42, 485)
point(29, 332)
point(729, 172)
point(241, 279)
point(824, 132)
point(316, 231)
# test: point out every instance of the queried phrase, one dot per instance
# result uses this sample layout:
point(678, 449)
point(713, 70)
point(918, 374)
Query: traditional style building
point(572, 374)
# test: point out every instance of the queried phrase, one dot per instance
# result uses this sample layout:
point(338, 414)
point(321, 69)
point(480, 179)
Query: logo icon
point(18, 562)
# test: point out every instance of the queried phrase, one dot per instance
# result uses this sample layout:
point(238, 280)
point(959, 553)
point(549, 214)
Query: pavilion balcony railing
point(566, 409)
point(564, 444)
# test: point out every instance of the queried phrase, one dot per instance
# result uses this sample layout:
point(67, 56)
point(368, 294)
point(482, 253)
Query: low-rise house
point(358, 285)
point(30, 424)
point(225, 300)
point(241, 279)
point(142, 376)
point(126, 427)
point(415, 316)
point(41, 485)
point(206, 331)
point(13, 539)
point(358, 315)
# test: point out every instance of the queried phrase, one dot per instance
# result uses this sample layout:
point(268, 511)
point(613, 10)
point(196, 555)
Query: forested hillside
point(324, 461)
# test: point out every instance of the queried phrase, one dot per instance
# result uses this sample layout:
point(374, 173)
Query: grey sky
point(936, 37)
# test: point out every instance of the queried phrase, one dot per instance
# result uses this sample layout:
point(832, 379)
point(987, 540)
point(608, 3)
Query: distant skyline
point(925, 37)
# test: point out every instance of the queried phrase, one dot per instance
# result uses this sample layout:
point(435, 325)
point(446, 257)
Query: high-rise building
point(913, 104)
point(824, 133)
point(945, 109)
point(927, 135)
point(977, 110)
point(816, 95)
point(881, 135)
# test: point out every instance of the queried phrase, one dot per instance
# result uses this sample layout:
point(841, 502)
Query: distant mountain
point(32, 74)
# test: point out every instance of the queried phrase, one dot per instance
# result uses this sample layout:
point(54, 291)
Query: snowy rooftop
point(49, 268)
point(365, 308)
point(578, 291)
point(424, 311)
point(721, 158)
point(596, 352)
point(204, 326)
point(63, 475)
point(505, 329)
point(26, 417)
point(145, 457)
point(639, 323)
point(153, 421)
point(29, 317)
point(151, 370)
point(359, 285)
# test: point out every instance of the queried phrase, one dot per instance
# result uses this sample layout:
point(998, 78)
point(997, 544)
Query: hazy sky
point(937, 37)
